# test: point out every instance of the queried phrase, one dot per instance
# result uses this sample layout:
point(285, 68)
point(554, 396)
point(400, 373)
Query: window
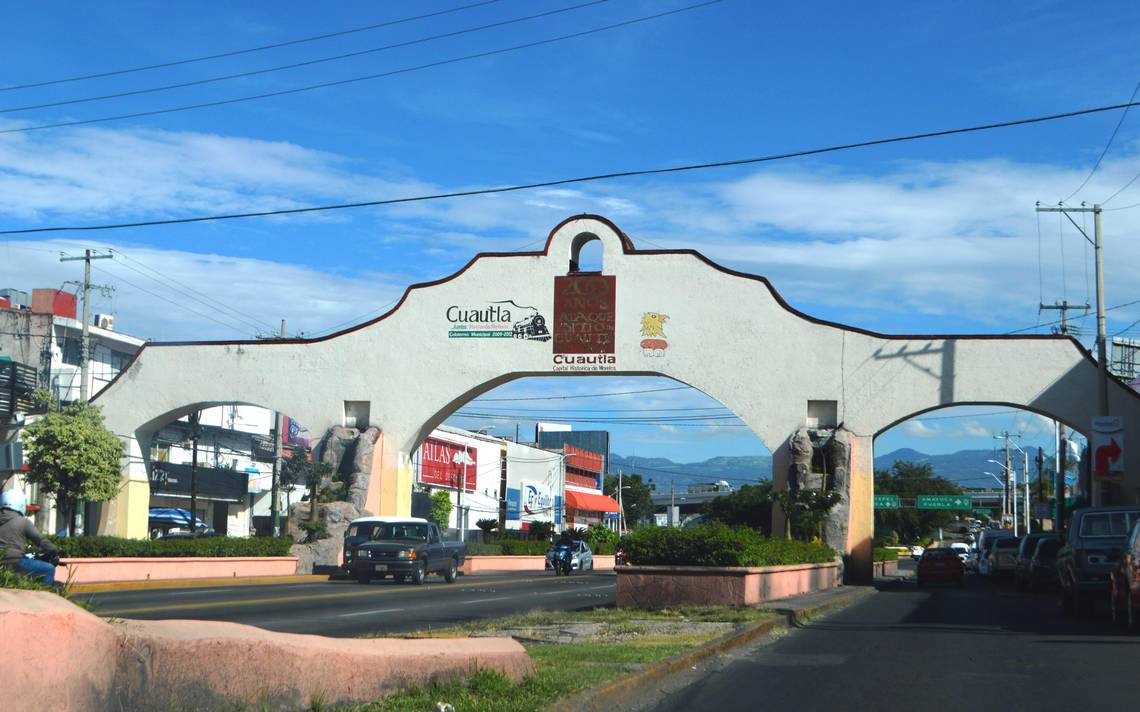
point(72, 349)
point(1108, 523)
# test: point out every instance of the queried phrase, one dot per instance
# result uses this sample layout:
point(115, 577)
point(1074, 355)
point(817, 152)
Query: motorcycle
point(561, 561)
point(619, 557)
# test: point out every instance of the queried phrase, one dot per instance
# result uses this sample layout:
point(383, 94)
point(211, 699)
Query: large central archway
point(646, 312)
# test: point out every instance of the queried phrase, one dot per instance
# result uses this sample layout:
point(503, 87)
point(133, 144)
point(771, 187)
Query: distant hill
point(966, 467)
point(737, 470)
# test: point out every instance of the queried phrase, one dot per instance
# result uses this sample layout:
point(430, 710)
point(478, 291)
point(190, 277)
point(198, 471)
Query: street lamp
point(1009, 474)
point(1001, 484)
point(1025, 473)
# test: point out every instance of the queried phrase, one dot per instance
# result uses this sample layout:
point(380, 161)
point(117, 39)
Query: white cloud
point(919, 429)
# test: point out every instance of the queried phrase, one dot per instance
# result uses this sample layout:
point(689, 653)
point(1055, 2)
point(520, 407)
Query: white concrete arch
point(648, 312)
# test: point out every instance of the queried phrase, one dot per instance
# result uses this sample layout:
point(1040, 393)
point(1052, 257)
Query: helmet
point(15, 500)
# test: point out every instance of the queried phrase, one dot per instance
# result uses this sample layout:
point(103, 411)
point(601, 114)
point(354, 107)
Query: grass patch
point(562, 669)
point(16, 580)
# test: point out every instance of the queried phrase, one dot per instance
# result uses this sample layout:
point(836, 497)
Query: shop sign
point(1108, 448)
point(536, 500)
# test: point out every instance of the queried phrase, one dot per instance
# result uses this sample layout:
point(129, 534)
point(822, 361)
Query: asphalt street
point(346, 608)
point(977, 648)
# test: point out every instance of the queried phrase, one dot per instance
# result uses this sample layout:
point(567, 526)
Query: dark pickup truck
point(406, 549)
point(1093, 544)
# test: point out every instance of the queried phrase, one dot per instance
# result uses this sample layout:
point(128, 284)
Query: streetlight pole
point(1025, 472)
point(1001, 484)
point(1012, 498)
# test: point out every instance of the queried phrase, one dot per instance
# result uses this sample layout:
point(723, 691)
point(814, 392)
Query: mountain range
point(966, 467)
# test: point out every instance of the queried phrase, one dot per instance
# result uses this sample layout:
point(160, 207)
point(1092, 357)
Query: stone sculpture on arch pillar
point(835, 446)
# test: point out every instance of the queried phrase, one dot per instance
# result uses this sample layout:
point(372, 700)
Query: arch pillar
point(128, 514)
point(859, 565)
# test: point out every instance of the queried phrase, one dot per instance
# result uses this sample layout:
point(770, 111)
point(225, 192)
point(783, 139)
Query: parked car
point(940, 564)
point(1029, 544)
point(1002, 557)
point(581, 558)
point(963, 550)
point(916, 552)
point(1094, 541)
point(1043, 565)
point(989, 535)
point(1124, 584)
point(407, 549)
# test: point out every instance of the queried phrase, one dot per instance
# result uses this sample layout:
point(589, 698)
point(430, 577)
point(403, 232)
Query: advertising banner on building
point(446, 463)
point(533, 480)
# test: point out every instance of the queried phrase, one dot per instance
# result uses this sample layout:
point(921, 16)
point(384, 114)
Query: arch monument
point(673, 313)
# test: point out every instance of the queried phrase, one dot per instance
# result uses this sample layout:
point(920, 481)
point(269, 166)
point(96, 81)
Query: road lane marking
point(368, 613)
point(486, 600)
point(312, 597)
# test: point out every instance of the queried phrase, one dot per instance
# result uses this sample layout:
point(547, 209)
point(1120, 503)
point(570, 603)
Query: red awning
point(590, 502)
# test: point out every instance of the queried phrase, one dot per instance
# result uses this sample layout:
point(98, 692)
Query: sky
point(932, 236)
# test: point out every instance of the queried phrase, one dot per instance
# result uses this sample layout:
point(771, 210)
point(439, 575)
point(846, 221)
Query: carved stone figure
point(801, 449)
point(837, 455)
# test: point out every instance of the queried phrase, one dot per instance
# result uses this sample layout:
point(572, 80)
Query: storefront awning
point(590, 502)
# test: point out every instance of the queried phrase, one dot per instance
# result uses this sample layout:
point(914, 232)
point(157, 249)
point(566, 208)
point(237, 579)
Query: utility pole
point(672, 501)
point(1040, 475)
point(85, 347)
point(275, 488)
point(621, 507)
point(195, 433)
point(1096, 495)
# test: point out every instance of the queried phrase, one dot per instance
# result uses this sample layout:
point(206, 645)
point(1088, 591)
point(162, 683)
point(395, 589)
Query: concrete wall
point(671, 586)
point(729, 334)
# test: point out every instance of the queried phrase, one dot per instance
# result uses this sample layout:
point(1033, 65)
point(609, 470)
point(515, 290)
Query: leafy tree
point(806, 511)
point(441, 507)
point(749, 506)
point(908, 480)
point(636, 500)
point(299, 467)
point(488, 526)
point(540, 531)
point(72, 456)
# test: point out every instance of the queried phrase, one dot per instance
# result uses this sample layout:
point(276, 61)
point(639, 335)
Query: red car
point(941, 564)
point(1124, 584)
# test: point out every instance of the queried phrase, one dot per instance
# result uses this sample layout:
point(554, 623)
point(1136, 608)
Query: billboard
point(445, 463)
point(533, 480)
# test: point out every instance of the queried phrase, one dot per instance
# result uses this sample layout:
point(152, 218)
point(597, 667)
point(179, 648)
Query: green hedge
point(81, 547)
point(515, 547)
point(524, 548)
point(718, 545)
point(881, 554)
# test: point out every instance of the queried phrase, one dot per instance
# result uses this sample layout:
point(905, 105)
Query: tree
point(299, 467)
point(636, 498)
point(441, 507)
point(908, 480)
point(488, 526)
point(749, 506)
point(806, 510)
point(72, 456)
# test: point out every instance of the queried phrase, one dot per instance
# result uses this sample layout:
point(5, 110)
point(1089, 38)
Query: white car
point(916, 552)
point(963, 550)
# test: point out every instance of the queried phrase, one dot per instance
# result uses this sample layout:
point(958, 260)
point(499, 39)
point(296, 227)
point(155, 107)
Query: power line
point(1121, 190)
point(367, 77)
point(249, 50)
point(584, 395)
point(191, 293)
point(1058, 321)
point(296, 65)
point(581, 179)
point(1108, 145)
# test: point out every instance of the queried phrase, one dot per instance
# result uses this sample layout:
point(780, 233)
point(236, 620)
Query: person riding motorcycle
point(15, 532)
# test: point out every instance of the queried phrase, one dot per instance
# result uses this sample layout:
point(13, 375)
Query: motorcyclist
point(15, 532)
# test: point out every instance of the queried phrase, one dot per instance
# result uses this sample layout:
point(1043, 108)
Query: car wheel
point(420, 574)
point(363, 577)
point(451, 572)
point(591, 564)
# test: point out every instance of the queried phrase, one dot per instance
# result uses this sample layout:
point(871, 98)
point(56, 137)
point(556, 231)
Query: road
point(976, 648)
point(346, 608)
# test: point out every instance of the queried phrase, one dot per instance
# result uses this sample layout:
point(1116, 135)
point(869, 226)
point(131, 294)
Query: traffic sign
point(944, 501)
point(1108, 448)
point(987, 512)
point(886, 501)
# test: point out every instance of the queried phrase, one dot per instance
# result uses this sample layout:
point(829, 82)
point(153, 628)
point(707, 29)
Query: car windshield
point(1048, 548)
point(365, 530)
point(932, 553)
point(409, 532)
point(1108, 523)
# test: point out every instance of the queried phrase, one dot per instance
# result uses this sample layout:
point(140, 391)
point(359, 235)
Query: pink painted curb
point(667, 586)
point(482, 564)
point(105, 570)
point(71, 660)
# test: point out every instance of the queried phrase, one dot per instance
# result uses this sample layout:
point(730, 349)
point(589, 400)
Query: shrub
point(478, 549)
point(113, 546)
point(719, 545)
point(882, 554)
point(524, 548)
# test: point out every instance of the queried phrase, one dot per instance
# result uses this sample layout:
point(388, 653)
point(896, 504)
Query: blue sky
point(936, 236)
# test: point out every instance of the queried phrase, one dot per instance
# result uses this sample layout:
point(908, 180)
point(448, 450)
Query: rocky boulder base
point(326, 549)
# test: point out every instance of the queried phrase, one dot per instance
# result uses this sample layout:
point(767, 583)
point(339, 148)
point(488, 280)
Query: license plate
point(381, 567)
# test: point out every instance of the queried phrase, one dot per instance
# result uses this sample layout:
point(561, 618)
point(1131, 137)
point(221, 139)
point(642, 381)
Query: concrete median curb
point(625, 691)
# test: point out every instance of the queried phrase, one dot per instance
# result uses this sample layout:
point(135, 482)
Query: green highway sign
point(987, 512)
point(944, 501)
point(886, 501)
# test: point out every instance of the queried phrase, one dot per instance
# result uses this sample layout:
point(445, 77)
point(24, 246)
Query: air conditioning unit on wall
point(105, 321)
